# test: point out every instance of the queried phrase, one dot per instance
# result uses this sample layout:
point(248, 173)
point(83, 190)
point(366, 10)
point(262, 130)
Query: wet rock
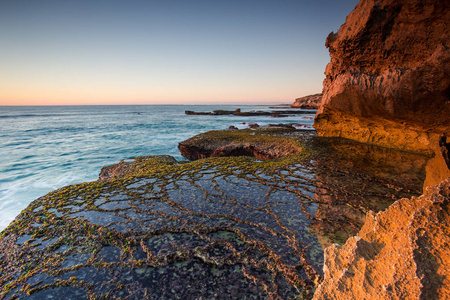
point(262, 143)
point(203, 229)
point(193, 113)
point(290, 125)
point(131, 166)
point(401, 253)
point(238, 112)
point(338, 219)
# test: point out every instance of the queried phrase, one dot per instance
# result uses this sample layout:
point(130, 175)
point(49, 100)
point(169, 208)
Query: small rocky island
point(237, 112)
point(273, 212)
point(308, 102)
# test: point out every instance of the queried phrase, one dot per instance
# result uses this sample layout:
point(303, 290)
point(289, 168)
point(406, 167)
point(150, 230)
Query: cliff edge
point(388, 79)
point(388, 84)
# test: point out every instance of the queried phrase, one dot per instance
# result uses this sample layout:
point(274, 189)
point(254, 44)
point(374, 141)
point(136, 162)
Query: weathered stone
point(308, 102)
point(130, 166)
point(401, 253)
point(262, 143)
point(203, 229)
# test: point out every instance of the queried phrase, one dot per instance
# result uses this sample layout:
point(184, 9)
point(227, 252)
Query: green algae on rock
point(262, 143)
point(228, 227)
point(134, 166)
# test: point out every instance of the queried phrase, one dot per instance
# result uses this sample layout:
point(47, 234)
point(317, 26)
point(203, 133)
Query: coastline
point(358, 210)
point(46, 148)
point(225, 199)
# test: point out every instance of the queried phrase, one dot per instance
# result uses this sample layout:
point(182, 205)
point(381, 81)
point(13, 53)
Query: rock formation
point(401, 253)
point(233, 227)
point(131, 166)
point(308, 102)
point(262, 143)
point(237, 112)
point(388, 84)
point(388, 80)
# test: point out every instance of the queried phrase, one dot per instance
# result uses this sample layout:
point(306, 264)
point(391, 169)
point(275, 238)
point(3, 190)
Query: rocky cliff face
point(390, 61)
point(311, 101)
point(401, 253)
point(388, 84)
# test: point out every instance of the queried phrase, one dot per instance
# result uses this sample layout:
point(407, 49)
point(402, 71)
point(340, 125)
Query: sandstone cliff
point(388, 79)
point(401, 253)
point(311, 102)
point(388, 84)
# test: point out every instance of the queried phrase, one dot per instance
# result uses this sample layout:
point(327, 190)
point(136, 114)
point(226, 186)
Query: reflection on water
point(222, 228)
point(366, 178)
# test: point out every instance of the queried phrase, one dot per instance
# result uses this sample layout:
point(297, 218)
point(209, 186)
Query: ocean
point(44, 148)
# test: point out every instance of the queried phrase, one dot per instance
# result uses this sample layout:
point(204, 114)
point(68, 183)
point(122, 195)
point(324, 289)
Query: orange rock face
point(401, 253)
point(390, 60)
point(388, 84)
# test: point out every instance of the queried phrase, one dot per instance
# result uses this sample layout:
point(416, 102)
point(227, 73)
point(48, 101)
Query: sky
point(65, 52)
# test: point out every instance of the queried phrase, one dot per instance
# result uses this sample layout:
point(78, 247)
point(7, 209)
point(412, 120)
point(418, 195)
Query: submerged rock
point(387, 82)
point(401, 253)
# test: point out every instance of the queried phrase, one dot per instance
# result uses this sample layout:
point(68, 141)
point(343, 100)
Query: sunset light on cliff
point(241, 149)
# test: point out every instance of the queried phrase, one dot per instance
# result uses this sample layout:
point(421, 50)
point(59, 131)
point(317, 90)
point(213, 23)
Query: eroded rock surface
point(229, 227)
point(389, 71)
point(262, 143)
point(401, 253)
point(129, 167)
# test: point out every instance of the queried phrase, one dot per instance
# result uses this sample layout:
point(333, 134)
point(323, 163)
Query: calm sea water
point(45, 148)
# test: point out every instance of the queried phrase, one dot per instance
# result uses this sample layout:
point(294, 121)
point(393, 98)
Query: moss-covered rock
point(262, 143)
point(134, 166)
point(227, 227)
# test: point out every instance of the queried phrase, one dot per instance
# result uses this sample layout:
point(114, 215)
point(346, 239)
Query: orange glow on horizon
point(33, 97)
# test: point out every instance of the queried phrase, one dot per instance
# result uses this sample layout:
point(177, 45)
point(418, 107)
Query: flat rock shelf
point(216, 228)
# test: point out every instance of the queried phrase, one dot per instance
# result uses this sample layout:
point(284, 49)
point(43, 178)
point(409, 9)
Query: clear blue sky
point(164, 51)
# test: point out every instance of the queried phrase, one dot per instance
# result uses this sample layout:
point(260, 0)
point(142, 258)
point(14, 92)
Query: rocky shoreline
point(308, 102)
point(247, 225)
point(261, 226)
point(237, 112)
